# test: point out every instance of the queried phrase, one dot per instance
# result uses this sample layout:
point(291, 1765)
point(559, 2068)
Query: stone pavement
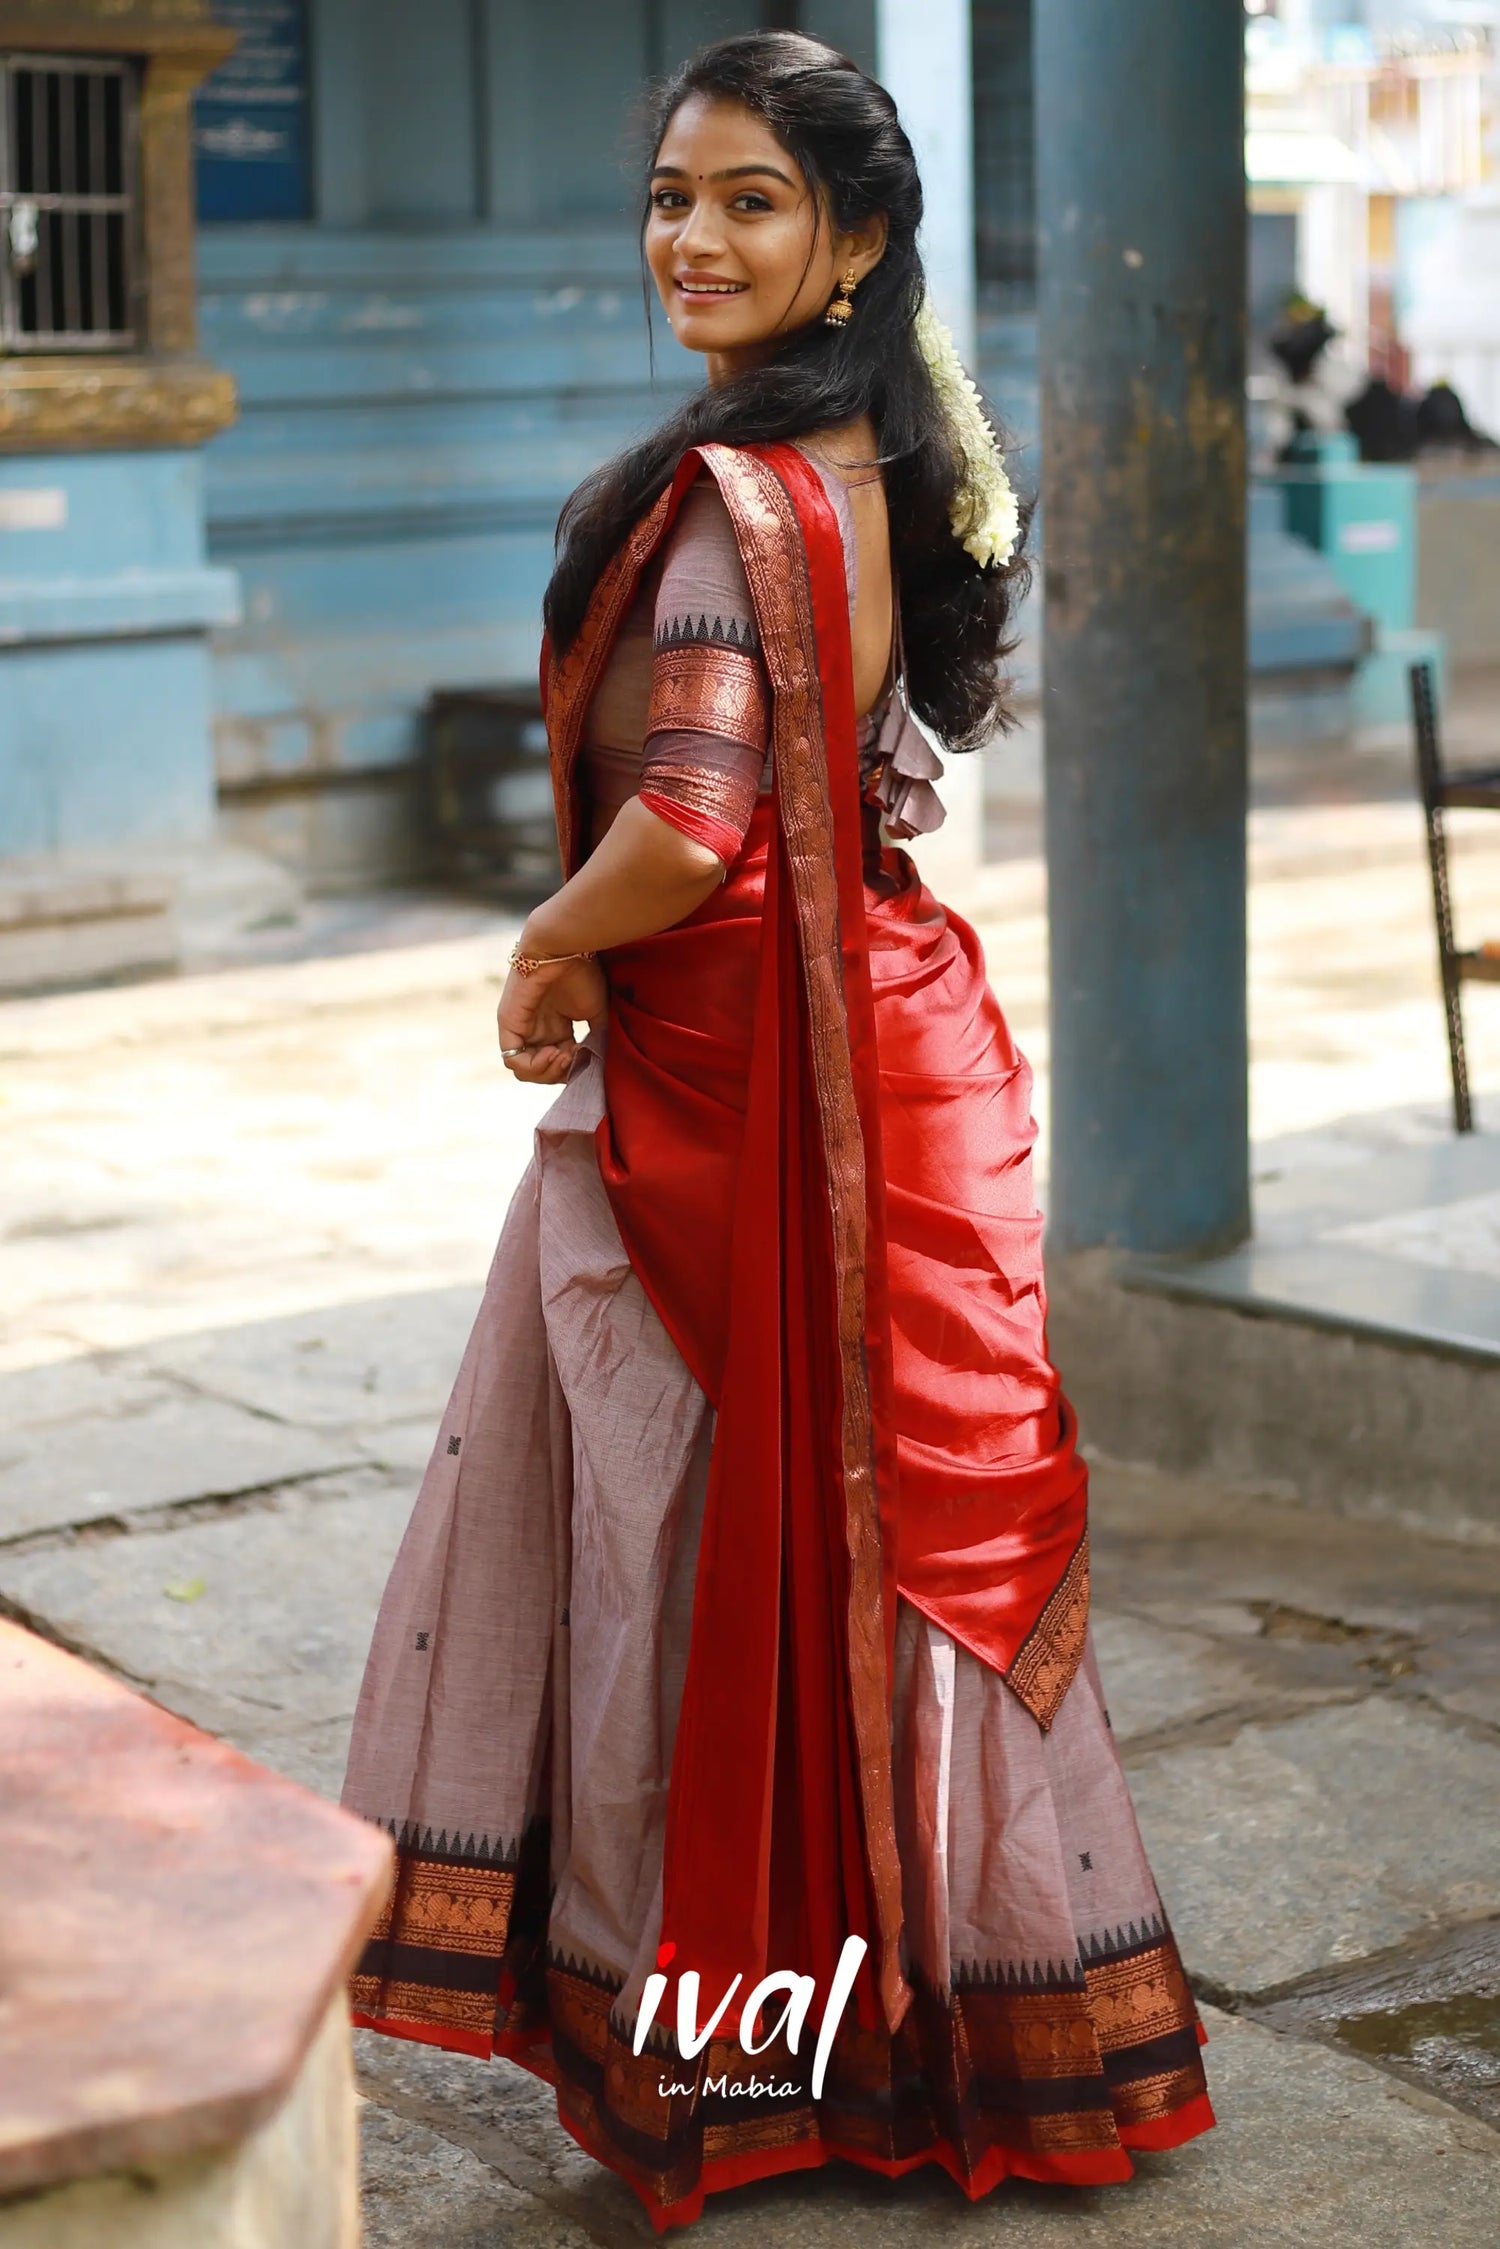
point(244, 1218)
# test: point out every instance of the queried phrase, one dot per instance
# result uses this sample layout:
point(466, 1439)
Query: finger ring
point(507, 1051)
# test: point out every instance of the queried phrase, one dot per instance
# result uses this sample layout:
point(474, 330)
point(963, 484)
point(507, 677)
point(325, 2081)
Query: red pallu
point(814, 1189)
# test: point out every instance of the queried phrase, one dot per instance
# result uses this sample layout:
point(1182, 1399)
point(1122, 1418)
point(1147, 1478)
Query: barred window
point(1004, 133)
point(68, 203)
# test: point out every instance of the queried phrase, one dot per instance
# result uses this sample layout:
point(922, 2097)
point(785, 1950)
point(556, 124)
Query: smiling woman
point(739, 1641)
point(736, 249)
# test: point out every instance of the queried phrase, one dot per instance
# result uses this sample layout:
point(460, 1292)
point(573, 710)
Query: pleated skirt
point(514, 1734)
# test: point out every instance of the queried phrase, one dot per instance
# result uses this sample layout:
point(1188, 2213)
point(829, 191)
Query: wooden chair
point(1477, 786)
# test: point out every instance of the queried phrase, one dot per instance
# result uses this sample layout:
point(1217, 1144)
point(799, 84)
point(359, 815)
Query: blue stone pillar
point(1140, 178)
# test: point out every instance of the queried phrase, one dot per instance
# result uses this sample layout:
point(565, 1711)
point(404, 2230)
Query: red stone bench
point(176, 1929)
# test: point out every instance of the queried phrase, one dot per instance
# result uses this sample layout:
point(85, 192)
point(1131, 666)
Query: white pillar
point(923, 57)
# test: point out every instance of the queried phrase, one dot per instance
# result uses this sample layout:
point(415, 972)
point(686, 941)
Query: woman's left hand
point(642, 876)
point(537, 1014)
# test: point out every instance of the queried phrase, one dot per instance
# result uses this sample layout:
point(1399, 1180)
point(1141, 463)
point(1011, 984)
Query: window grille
point(1004, 137)
point(68, 170)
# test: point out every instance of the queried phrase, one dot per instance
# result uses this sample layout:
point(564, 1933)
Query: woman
point(740, 1631)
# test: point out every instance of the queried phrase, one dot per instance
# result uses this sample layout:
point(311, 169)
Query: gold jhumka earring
point(837, 315)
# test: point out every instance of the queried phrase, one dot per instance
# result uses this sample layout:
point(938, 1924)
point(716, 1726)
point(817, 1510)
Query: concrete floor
point(244, 1217)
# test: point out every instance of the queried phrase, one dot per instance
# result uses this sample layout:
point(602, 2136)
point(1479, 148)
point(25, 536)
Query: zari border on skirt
point(1057, 2076)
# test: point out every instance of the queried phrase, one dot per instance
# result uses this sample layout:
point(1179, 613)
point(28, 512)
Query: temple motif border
point(1049, 1656)
point(1052, 2079)
point(1042, 2071)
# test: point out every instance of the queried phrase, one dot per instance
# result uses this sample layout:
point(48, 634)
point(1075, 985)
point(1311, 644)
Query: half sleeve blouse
point(709, 717)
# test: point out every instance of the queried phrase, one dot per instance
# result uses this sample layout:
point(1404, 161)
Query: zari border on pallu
point(1048, 1658)
point(768, 519)
point(770, 532)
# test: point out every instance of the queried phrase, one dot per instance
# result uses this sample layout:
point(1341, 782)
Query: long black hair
point(842, 129)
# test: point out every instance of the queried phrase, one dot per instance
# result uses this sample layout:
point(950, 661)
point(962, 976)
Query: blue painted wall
point(104, 669)
point(512, 112)
point(428, 370)
point(415, 408)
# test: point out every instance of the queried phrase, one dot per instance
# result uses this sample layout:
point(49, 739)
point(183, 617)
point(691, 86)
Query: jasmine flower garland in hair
point(984, 514)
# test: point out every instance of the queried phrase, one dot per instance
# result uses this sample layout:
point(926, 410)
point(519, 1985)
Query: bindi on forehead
point(726, 173)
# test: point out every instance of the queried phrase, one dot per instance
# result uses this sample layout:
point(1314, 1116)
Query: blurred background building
point(242, 542)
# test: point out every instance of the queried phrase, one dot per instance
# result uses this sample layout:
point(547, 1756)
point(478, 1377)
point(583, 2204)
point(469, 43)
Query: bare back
point(851, 452)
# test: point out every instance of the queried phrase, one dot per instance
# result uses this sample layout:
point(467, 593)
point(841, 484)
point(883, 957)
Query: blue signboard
point(250, 127)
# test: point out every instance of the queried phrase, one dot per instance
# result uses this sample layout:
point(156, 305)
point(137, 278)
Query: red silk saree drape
point(866, 1438)
point(760, 1370)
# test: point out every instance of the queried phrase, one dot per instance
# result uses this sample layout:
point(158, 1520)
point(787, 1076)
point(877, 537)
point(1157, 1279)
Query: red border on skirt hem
point(1185, 2123)
point(1098, 2167)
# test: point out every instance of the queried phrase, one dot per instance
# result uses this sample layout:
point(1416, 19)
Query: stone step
point(1341, 1372)
point(81, 922)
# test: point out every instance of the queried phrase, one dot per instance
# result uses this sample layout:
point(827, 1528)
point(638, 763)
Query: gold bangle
point(526, 964)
